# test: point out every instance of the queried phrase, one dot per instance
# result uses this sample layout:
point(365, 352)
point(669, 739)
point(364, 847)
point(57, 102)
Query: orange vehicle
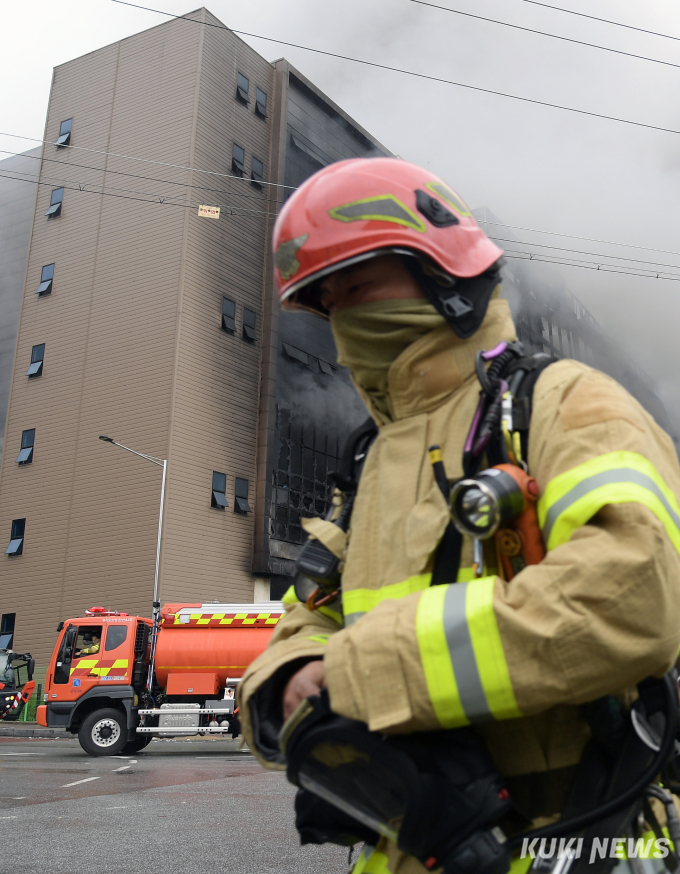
point(117, 682)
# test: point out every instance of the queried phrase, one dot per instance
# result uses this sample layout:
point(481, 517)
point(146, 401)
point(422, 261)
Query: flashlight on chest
point(500, 503)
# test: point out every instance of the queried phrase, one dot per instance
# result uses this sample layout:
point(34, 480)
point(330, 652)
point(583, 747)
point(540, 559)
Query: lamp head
point(106, 439)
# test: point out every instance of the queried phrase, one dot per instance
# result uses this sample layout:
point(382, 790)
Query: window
point(238, 159)
point(37, 358)
point(242, 88)
point(260, 103)
point(249, 325)
point(296, 354)
point(55, 203)
point(241, 496)
point(16, 540)
point(325, 367)
point(7, 630)
point(46, 278)
point(64, 138)
point(228, 315)
point(115, 636)
point(257, 172)
point(27, 444)
point(219, 489)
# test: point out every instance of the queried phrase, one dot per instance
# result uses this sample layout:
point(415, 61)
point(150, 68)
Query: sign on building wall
point(209, 211)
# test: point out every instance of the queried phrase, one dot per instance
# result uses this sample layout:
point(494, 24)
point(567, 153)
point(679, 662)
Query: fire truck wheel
point(137, 744)
point(103, 733)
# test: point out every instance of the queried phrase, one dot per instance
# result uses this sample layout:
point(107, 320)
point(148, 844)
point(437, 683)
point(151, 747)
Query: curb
point(30, 731)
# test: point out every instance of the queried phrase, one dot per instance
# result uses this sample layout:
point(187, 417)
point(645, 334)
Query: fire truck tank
point(217, 641)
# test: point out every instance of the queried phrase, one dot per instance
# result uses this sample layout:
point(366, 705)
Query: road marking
point(22, 754)
point(123, 807)
point(19, 797)
point(124, 768)
point(7, 817)
point(133, 761)
point(120, 757)
point(78, 782)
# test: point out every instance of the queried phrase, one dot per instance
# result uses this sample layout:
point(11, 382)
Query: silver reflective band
point(462, 655)
point(607, 477)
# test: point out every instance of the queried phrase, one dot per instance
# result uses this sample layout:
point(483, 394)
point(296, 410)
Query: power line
point(161, 200)
point(581, 252)
point(486, 222)
point(512, 254)
point(606, 268)
point(410, 72)
point(482, 221)
point(577, 42)
point(131, 175)
point(604, 20)
point(144, 160)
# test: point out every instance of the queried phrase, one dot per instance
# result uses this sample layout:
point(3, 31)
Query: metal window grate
point(307, 452)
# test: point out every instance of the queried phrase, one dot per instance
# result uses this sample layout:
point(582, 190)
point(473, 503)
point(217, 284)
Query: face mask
point(370, 337)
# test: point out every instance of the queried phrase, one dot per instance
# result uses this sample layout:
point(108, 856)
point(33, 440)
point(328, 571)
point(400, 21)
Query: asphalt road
point(178, 807)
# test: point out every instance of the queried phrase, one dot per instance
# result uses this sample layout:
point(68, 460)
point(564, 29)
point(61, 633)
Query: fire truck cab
point(97, 671)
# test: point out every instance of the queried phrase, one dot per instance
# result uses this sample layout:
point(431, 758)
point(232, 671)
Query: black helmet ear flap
point(462, 302)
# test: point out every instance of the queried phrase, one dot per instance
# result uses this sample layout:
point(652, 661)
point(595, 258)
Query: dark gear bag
point(436, 794)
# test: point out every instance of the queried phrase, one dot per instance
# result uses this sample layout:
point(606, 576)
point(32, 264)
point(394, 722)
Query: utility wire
point(604, 20)
point(512, 253)
point(481, 221)
point(486, 222)
point(132, 175)
point(146, 197)
point(145, 160)
point(410, 72)
point(600, 268)
point(577, 42)
point(581, 252)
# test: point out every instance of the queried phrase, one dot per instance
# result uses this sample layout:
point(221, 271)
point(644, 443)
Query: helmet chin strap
point(464, 302)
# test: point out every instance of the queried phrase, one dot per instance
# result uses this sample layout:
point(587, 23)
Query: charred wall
point(316, 405)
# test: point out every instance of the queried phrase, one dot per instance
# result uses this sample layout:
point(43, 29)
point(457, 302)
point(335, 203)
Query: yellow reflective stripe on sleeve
point(574, 497)
point(317, 638)
point(376, 863)
point(488, 649)
point(290, 597)
point(434, 655)
point(356, 602)
point(462, 654)
point(360, 601)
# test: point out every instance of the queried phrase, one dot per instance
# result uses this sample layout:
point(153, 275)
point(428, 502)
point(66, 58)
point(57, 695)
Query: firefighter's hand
point(308, 681)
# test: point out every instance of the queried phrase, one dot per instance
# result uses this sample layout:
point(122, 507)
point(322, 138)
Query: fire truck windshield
point(6, 669)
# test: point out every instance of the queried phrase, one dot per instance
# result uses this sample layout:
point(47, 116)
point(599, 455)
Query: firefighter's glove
point(436, 794)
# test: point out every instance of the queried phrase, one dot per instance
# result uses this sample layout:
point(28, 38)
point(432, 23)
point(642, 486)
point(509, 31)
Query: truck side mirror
point(30, 667)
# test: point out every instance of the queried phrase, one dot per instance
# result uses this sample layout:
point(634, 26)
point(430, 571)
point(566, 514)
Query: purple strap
point(475, 424)
point(495, 352)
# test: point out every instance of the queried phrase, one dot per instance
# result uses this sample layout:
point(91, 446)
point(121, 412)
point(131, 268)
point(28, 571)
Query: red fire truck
point(117, 681)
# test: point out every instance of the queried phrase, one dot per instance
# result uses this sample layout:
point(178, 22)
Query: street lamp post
point(161, 462)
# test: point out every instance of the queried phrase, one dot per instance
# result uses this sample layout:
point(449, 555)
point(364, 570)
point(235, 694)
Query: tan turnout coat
point(598, 614)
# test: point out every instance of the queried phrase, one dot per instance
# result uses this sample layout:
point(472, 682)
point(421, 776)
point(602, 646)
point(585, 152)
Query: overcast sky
point(535, 167)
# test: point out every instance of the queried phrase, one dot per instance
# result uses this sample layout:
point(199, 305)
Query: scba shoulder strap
point(499, 432)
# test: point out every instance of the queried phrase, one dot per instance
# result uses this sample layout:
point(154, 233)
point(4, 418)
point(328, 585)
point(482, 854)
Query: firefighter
point(411, 285)
point(93, 641)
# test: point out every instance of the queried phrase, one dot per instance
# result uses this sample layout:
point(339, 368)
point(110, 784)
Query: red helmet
point(356, 209)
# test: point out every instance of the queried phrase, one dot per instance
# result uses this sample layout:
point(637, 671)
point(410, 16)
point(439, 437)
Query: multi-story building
point(147, 322)
point(148, 314)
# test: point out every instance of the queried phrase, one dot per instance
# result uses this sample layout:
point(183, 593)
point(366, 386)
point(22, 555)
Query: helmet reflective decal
point(447, 195)
point(381, 208)
point(285, 258)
